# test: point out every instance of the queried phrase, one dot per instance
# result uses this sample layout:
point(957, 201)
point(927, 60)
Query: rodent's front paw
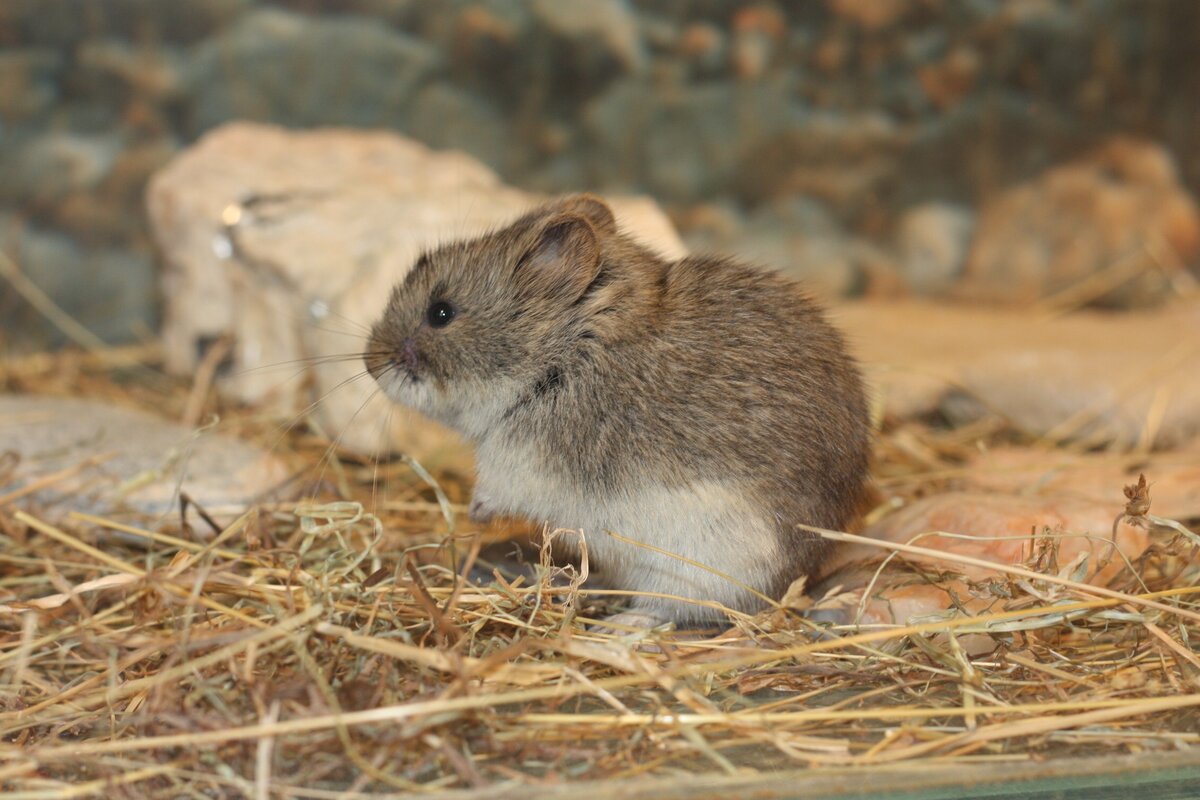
point(480, 511)
point(621, 624)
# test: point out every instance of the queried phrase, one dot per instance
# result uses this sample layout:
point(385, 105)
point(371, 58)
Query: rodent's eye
point(440, 314)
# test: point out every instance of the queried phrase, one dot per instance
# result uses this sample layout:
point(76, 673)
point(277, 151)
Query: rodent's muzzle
point(383, 358)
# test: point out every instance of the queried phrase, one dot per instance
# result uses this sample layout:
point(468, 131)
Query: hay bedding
point(329, 649)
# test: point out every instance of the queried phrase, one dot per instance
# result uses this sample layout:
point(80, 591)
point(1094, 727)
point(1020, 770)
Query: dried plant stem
point(1011, 569)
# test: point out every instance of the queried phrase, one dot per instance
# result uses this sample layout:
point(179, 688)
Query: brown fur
point(713, 384)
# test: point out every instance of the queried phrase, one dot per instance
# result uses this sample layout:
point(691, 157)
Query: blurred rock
point(1000, 527)
point(131, 461)
point(110, 291)
point(946, 82)
point(992, 527)
point(107, 213)
point(1118, 380)
point(291, 241)
point(682, 142)
point(65, 23)
point(932, 242)
point(796, 236)
point(50, 167)
point(839, 159)
point(1091, 477)
point(297, 70)
point(446, 117)
point(1107, 226)
point(758, 31)
point(703, 46)
point(601, 30)
point(152, 72)
point(871, 15)
point(28, 82)
point(484, 43)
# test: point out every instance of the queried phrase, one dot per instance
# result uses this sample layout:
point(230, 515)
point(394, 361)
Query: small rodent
point(701, 406)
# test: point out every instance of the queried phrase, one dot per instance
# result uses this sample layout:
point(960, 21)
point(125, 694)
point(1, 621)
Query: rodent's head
point(476, 324)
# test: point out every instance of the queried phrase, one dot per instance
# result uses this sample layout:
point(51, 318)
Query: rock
point(683, 142)
point(65, 23)
point(758, 31)
point(150, 72)
point(796, 236)
point(600, 29)
point(949, 80)
point(297, 70)
point(1095, 478)
point(446, 117)
point(841, 159)
point(110, 291)
point(932, 241)
point(992, 527)
point(703, 45)
point(50, 167)
point(1124, 380)
point(28, 82)
point(1099, 225)
point(871, 15)
point(328, 222)
point(131, 461)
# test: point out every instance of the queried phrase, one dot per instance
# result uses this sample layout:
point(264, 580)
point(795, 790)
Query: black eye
point(440, 314)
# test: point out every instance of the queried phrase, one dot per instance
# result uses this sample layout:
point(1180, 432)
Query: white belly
point(704, 522)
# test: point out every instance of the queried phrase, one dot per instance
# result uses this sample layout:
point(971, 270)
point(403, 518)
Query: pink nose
point(409, 354)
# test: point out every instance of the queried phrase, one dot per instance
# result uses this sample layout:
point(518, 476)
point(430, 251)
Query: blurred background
point(995, 151)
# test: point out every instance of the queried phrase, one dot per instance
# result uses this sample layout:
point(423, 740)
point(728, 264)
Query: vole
point(702, 406)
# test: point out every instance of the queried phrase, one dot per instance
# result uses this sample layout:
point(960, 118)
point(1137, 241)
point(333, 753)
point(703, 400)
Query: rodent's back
point(726, 373)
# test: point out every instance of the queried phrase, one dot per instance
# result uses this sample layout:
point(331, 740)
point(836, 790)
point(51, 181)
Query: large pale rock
point(89, 456)
point(1118, 216)
point(1130, 379)
point(290, 242)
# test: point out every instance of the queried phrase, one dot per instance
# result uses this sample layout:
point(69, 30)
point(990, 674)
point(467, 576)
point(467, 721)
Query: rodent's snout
point(384, 356)
point(408, 356)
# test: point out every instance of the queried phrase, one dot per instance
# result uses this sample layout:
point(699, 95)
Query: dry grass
point(332, 649)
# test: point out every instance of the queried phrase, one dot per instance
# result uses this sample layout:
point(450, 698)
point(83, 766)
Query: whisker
point(312, 361)
point(384, 444)
point(330, 455)
point(313, 405)
point(365, 329)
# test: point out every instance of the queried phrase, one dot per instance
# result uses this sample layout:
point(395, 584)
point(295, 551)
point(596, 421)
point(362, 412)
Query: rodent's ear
point(564, 259)
point(591, 208)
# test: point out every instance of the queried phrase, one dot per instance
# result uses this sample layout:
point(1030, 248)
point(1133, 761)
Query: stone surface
point(1174, 476)
point(111, 291)
point(448, 118)
point(326, 223)
point(28, 82)
point(293, 69)
point(682, 141)
point(607, 27)
point(1130, 379)
point(992, 527)
point(868, 107)
point(932, 244)
point(796, 236)
point(131, 461)
point(50, 167)
point(1120, 209)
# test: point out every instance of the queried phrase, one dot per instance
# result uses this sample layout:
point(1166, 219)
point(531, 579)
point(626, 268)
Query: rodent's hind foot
point(481, 511)
point(630, 622)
